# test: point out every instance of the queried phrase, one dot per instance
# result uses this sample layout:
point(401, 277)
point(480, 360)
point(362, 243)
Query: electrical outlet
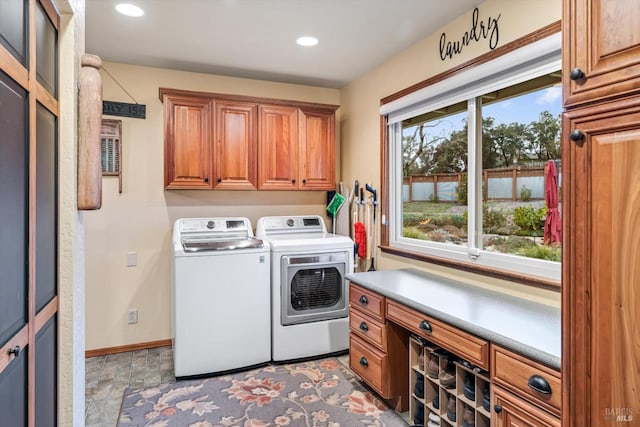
point(132, 316)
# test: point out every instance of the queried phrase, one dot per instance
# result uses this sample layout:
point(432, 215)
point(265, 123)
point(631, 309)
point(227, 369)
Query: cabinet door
point(278, 148)
point(317, 150)
point(511, 411)
point(602, 40)
point(187, 146)
point(601, 268)
point(235, 146)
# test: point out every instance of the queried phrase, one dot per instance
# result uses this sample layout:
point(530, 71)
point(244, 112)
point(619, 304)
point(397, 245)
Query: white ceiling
point(256, 38)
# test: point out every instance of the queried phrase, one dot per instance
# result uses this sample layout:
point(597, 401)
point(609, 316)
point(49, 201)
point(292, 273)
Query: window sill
point(485, 271)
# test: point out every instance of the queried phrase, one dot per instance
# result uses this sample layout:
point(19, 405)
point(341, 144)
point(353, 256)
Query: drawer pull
point(425, 326)
point(539, 384)
point(364, 362)
point(497, 408)
point(363, 300)
point(364, 327)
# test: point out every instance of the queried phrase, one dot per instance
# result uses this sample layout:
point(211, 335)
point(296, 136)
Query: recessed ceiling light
point(129, 9)
point(307, 41)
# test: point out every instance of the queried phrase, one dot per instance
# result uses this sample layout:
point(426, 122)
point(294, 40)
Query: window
point(111, 149)
point(474, 165)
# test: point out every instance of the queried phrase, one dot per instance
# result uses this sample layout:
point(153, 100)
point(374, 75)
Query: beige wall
point(141, 218)
point(360, 126)
point(71, 333)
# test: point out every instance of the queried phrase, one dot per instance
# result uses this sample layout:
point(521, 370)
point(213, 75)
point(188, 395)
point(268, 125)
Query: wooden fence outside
point(498, 184)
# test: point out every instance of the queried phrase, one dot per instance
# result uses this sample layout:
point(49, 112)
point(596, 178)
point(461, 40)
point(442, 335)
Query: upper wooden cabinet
point(188, 127)
point(228, 142)
point(602, 41)
point(317, 150)
point(279, 145)
point(235, 152)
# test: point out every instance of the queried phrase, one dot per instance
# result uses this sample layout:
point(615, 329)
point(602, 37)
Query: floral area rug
point(321, 393)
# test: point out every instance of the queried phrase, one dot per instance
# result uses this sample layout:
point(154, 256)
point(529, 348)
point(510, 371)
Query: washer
point(309, 291)
point(221, 289)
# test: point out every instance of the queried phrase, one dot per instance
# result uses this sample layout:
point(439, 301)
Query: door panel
point(13, 392)
point(13, 209)
point(601, 307)
point(46, 224)
point(46, 375)
point(235, 146)
point(13, 21)
point(278, 148)
point(46, 51)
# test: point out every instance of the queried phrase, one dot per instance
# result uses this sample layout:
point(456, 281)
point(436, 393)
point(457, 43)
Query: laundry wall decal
point(480, 30)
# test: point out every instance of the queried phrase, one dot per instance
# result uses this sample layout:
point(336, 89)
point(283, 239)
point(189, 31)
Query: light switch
point(132, 259)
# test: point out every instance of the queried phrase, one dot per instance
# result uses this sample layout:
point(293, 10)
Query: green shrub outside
point(529, 218)
point(525, 194)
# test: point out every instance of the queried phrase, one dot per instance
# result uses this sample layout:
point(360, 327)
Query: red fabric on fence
point(553, 222)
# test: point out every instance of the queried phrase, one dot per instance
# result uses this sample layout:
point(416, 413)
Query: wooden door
point(188, 128)
point(601, 274)
point(317, 150)
point(511, 411)
point(29, 192)
point(278, 142)
point(236, 144)
point(603, 41)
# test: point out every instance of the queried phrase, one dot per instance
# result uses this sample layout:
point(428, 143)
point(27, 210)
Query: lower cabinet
point(525, 393)
point(511, 411)
point(445, 375)
point(377, 348)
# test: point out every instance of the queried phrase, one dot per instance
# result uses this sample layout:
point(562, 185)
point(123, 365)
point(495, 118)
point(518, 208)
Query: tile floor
point(108, 376)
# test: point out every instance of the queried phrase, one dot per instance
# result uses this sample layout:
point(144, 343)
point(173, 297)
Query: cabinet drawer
point(471, 348)
point(515, 373)
point(367, 301)
point(370, 364)
point(371, 330)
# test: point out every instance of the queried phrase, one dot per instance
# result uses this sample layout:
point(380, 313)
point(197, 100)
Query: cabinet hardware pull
point(304, 182)
point(14, 351)
point(497, 408)
point(577, 136)
point(293, 181)
point(364, 362)
point(539, 384)
point(364, 326)
point(425, 326)
point(363, 300)
point(576, 74)
point(219, 179)
point(206, 180)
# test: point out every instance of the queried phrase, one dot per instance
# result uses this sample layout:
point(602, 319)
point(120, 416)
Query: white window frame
point(520, 65)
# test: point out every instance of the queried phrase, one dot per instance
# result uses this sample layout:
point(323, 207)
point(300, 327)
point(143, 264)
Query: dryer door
point(314, 288)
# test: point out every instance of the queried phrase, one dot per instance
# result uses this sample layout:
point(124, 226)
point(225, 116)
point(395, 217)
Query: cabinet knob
point(539, 384)
point(576, 74)
point(363, 300)
point(425, 326)
point(364, 327)
point(293, 181)
point(364, 362)
point(206, 180)
point(497, 408)
point(14, 351)
point(219, 180)
point(577, 136)
point(304, 182)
